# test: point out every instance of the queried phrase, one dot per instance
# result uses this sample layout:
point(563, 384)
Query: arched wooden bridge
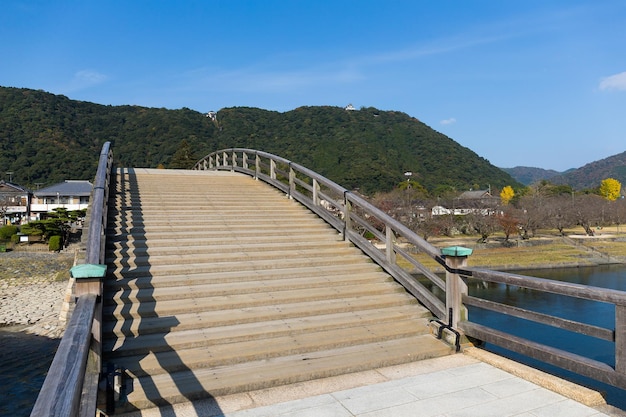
point(251, 271)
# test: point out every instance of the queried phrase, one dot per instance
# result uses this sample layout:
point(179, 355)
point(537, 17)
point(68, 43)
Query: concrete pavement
point(475, 383)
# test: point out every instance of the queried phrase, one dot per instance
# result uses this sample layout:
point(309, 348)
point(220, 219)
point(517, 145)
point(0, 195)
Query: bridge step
point(219, 284)
point(191, 319)
point(147, 293)
point(195, 384)
point(133, 259)
point(330, 272)
point(117, 345)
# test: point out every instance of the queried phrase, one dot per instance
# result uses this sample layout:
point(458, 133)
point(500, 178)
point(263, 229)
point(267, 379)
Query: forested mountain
point(587, 177)
point(592, 174)
point(529, 175)
point(46, 138)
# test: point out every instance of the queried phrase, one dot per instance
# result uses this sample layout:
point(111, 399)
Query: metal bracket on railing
point(116, 387)
point(443, 326)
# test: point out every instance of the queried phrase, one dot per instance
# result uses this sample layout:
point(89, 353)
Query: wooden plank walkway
point(219, 284)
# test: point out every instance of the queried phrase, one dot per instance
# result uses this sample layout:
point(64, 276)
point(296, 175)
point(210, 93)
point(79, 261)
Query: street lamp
point(408, 176)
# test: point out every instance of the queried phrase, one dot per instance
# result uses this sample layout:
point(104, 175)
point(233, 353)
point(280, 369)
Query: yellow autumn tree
point(610, 189)
point(507, 194)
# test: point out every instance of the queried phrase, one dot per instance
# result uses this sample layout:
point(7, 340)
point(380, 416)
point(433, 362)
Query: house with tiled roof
point(69, 194)
point(14, 203)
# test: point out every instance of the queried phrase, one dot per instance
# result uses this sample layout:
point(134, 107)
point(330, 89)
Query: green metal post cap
point(88, 271)
point(456, 251)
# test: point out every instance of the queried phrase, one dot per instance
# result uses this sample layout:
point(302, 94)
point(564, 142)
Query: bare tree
point(559, 213)
point(587, 211)
point(485, 226)
point(509, 222)
point(532, 214)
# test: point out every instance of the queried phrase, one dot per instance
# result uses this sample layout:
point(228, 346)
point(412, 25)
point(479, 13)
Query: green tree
point(183, 158)
point(610, 189)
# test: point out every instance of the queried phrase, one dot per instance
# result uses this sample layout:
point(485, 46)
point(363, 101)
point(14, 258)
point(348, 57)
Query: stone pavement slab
point(471, 384)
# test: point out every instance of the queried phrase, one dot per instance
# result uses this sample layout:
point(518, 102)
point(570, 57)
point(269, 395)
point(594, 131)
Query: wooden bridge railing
point(355, 218)
point(70, 388)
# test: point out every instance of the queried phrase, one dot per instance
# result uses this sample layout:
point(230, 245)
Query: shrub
point(54, 244)
point(15, 239)
point(7, 231)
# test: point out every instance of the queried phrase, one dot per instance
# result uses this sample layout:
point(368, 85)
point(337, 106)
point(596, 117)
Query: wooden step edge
point(155, 363)
point(214, 382)
point(189, 320)
point(149, 305)
point(122, 346)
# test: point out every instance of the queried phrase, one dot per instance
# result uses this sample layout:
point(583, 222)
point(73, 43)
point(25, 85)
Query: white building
point(70, 194)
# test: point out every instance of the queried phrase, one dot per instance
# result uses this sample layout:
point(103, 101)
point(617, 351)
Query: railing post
point(257, 167)
point(245, 160)
point(89, 280)
point(316, 190)
point(292, 181)
point(456, 258)
point(347, 208)
point(234, 161)
point(272, 169)
point(389, 239)
point(620, 339)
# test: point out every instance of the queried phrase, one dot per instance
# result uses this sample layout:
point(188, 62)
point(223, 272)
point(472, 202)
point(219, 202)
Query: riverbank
point(33, 286)
point(541, 252)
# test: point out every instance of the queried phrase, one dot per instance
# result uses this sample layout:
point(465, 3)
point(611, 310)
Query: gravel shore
point(32, 290)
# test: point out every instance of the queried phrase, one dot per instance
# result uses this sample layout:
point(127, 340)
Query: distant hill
point(587, 177)
point(529, 175)
point(592, 174)
point(46, 138)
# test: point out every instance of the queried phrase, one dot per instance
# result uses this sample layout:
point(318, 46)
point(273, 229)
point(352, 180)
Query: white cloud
point(449, 121)
point(91, 77)
point(84, 79)
point(614, 82)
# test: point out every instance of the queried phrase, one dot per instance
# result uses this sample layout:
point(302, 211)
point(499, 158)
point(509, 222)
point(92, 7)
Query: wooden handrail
point(347, 212)
point(61, 392)
point(64, 392)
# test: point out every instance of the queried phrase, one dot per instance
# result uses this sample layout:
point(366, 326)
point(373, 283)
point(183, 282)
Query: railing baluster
point(315, 191)
point(347, 209)
point(292, 181)
point(620, 338)
point(390, 238)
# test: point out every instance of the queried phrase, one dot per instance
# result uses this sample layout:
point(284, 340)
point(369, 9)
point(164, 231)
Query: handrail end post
point(456, 258)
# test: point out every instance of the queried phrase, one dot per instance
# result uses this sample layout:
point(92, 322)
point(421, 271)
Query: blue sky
point(532, 83)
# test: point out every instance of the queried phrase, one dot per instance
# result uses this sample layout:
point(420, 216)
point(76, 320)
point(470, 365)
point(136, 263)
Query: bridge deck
point(219, 284)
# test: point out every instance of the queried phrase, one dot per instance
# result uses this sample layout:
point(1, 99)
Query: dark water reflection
point(590, 312)
point(24, 362)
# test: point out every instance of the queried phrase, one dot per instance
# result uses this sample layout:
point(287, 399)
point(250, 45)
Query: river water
point(595, 313)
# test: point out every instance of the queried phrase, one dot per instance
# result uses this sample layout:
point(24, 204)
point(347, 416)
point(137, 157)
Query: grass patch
point(553, 253)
